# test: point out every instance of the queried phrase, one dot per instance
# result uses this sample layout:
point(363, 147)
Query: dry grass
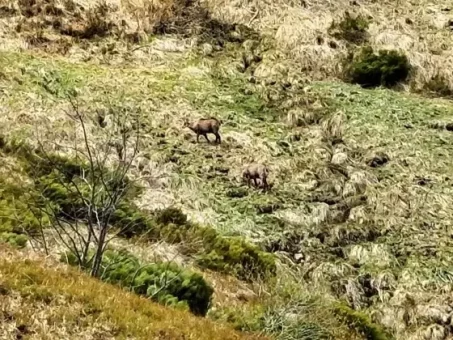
point(44, 300)
point(418, 28)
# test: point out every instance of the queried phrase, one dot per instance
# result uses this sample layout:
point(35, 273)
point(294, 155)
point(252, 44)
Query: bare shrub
point(80, 195)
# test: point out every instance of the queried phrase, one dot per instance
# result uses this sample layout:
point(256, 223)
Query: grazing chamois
point(255, 171)
point(204, 126)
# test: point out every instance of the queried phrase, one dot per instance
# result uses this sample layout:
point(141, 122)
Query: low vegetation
point(371, 69)
point(352, 29)
point(165, 283)
point(35, 293)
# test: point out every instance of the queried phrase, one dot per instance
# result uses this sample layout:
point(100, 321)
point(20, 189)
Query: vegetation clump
point(171, 215)
point(350, 28)
point(234, 255)
point(439, 85)
point(165, 283)
point(361, 322)
point(385, 68)
point(17, 220)
point(16, 240)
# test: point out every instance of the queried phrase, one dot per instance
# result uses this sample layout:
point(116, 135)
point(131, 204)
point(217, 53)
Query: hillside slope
point(359, 212)
point(43, 300)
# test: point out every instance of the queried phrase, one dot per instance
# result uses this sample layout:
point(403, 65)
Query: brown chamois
point(254, 172)
point(204, 126)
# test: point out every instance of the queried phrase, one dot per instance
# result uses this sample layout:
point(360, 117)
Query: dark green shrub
point(361, 322)
point(15, 214)
point(386, 68)
point(351, 29)
point(183, 285)
point(162, 282)
point(171, 216)
point(165, 283)
point(16, 240)
point(131, 222)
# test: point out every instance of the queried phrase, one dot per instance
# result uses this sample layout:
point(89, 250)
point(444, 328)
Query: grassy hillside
point(420, 28)
point(44, 300)
point(359, 212)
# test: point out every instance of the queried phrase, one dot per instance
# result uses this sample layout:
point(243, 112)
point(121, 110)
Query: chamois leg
point(206, 136)
point(198, 138)
point(255, 182)
point(217, 138)
point(265, 185)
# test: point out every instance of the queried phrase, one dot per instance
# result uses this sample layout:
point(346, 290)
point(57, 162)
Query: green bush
point(165, 283)
point(386, 68)
point(361, 322)
point(131, 222)
point(171, 216)
point(16, 240)
point(351, 29)
point(15, 214)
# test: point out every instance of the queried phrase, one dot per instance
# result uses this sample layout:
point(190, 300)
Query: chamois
point(205, 126)
point(254, 172)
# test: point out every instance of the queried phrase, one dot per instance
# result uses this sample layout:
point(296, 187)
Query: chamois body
point(204, 126)
point(255, 172)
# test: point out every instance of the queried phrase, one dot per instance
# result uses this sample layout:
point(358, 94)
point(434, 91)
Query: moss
point(370, 69)
point(361, 322)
